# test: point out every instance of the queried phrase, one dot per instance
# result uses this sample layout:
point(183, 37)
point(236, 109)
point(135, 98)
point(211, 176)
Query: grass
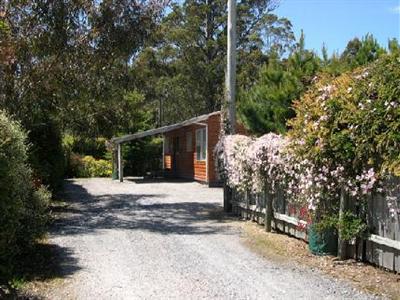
point(40, 268)
point(285, 249)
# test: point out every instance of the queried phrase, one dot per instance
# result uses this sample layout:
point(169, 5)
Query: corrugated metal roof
point(138, 135)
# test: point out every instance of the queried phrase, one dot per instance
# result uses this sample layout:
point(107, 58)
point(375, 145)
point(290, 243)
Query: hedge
point(23, 204)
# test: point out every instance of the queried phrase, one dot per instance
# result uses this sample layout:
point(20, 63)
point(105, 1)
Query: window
point(201, 144)
point(189, 147)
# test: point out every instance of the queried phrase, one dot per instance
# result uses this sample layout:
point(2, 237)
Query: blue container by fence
point(322, 242)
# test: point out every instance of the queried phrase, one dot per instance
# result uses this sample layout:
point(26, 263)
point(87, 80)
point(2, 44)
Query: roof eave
point(164, 129)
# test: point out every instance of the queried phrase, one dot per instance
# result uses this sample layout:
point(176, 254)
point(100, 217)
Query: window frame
point(201, 144)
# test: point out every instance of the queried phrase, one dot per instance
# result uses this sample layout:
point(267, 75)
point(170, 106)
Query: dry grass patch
point(282, 248)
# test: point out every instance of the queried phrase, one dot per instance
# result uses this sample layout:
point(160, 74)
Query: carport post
point(114, 164)
point(120, 166)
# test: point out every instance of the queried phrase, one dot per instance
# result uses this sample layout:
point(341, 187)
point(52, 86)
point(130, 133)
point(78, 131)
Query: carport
point(186, 148)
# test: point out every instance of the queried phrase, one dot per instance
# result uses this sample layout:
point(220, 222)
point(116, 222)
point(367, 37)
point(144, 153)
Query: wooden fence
point(381, 247)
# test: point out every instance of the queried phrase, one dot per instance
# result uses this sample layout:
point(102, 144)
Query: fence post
point(227, 198)
point(283, 199)
point(342, 244)
point(246, 199)
point(268, 209)
point(258, 207)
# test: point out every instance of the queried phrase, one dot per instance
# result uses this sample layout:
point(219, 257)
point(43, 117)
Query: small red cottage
point(187, 149)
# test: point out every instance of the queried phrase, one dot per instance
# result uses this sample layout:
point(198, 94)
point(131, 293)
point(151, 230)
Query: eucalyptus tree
point(64, 67)
point(184, 65)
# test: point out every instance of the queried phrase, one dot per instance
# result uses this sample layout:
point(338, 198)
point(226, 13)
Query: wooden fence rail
point(381, 248)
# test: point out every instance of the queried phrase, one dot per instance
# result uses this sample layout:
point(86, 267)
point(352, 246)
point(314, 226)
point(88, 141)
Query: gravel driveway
point(158, 240)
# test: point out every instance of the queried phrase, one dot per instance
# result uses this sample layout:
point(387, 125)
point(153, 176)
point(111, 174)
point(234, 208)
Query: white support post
point(120, 166)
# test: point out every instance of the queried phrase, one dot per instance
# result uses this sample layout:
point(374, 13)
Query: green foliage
point(73, 58)
point(46, 155)
point(361, 52)
point(266, 106)
point(182, 70)
point(349, 225)
point(84, 157)
point(87, 166)
point(350, 125)
point(393, 46)
point(303, 63)
point(22, 205)
point(142, 156)
point(358, 52)
point(35, 217)
point(66, 70)
point(95, 147)
point(136, 114)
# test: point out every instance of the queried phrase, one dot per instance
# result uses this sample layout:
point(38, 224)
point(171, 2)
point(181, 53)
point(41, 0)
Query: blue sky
point(335, 22)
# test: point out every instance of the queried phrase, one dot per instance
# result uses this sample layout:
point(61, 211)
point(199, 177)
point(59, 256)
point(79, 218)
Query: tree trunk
point(268, 209)
point(342, 244)
point(227, 198)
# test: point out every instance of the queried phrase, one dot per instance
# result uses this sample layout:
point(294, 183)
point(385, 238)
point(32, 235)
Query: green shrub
point(22, 205)
point(88, 166)
point(349, 225)
point(95, 147)
point(353, 120)
point(142, 156)
point(46, 155)
point(347, 130)
point(75, 148)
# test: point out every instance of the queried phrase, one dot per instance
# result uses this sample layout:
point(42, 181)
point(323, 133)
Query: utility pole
point(231, 67)
point(230, 89)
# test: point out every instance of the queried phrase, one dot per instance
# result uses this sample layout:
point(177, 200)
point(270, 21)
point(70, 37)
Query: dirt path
point(143, 240)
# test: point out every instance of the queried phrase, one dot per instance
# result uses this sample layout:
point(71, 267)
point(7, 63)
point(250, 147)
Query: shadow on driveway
point(86, 213)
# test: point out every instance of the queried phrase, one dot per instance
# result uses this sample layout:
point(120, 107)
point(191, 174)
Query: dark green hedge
point(23, 204)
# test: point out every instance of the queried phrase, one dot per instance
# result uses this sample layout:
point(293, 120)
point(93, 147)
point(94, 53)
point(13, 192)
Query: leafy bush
point(266, 106)
point(46, 155)
point(142, 156)
point(88, 166)
point(350, 226)
point(345, 135)
point(22, 205)
point(95, 147)
point(76, 148)
point(348, 127)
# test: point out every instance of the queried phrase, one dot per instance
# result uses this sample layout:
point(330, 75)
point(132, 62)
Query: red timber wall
point(214, 130)
point(186, 164)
